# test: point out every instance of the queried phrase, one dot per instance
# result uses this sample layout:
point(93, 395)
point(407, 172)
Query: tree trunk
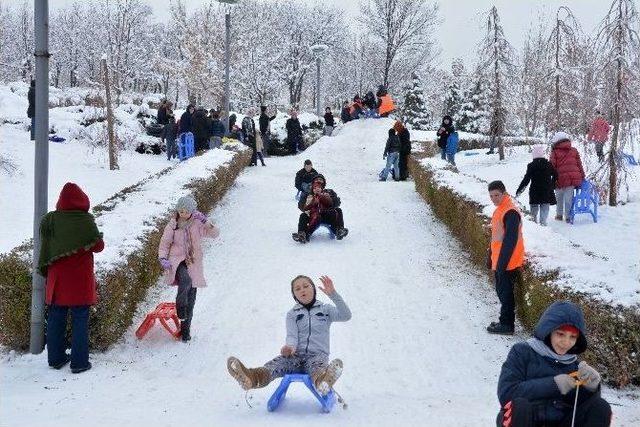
point(113, 149)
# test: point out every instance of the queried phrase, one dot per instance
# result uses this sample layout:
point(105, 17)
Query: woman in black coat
point(542, 176)
point(405, 149)
point(443, 133)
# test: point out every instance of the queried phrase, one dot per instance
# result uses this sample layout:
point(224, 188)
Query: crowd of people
point(542, 381)
point(379, 105)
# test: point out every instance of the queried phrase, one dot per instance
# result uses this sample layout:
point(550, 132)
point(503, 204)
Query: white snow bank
point(602, 259)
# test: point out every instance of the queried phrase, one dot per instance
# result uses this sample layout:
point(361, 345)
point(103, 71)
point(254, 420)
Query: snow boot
point(248, 378)
point(80, 370)
point(300, 237)
point(559, 218)
point(62, 363)
point(500, 329)
point(341, 233)
point(324, 378)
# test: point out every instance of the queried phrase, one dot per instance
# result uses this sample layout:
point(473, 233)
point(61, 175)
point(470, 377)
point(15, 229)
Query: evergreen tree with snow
point(474, 113)
point(415, 111)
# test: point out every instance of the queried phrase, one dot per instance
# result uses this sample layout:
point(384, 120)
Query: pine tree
point(475, 112)
point(415, 112)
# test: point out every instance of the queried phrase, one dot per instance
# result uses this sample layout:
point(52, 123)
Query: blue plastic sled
point(186, 146)
point(278, 396)
point(585, 201)
point(56, 138)
point(629, 158)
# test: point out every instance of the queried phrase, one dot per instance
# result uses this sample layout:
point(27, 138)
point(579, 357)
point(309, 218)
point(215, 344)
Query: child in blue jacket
point(538, 381)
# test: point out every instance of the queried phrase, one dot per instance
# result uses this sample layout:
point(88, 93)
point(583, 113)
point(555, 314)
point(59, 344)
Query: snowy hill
point(415, 351)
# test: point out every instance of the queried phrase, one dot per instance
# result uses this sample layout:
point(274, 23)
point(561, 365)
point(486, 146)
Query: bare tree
point(619, 43)
point(496, 57)
point(404, 28)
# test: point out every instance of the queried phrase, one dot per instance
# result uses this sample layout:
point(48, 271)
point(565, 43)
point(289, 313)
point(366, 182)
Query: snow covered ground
point(415, 351)
point(600, 258)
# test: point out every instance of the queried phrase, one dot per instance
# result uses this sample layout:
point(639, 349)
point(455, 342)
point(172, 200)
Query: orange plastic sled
point(164, 312)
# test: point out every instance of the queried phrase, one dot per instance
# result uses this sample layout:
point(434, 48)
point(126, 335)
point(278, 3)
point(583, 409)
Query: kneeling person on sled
point(541, 377)
point(307, 344)
point(321, 206)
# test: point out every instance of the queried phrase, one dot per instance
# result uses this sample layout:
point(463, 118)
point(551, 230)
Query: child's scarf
point(543, 350)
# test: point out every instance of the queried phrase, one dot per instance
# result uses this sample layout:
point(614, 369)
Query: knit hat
point(187, 203)
point(559, 137)
point(538, 151)
point(570, 328)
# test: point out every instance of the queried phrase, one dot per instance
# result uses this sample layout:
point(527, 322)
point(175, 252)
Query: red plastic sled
point(164, 312)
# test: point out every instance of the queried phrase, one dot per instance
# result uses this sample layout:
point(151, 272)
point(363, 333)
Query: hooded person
point(542, 176)
point(186, 120)
point(565, 159)
point(405, 149)
point(538, 381)
point(320, 206)
point(307, 344)
point(68, 239)
point(181, 256)
point(446, 129)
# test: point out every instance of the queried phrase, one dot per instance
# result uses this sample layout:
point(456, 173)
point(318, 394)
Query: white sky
point(461, 28)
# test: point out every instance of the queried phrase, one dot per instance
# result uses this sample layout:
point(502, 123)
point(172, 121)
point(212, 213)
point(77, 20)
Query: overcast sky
point(462, 20)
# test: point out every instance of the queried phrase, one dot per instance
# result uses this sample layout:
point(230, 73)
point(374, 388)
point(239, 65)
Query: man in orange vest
point(385, 103)
point(506, 254)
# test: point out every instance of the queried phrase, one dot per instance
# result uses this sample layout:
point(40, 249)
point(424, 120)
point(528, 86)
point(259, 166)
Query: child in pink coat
point(180, 254)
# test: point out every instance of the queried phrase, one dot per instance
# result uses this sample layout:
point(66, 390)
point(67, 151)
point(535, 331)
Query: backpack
point(334, 198)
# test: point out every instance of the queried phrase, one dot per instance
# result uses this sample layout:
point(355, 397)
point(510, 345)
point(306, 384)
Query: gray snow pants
point(304, 363)
point(564, 197)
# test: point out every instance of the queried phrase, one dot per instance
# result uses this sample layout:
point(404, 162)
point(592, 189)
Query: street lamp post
point(227, 60)
point(41, 172)
point(318, 50)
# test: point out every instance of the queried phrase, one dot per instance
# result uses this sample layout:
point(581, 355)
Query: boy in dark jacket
point(329, 123)
point(319, 207)
point(542, 176)
point(443, 133)
point(392, 154)
point(539, 380)
point(304, 177)
point(294, 133)
point(217, 130)
point(169, 135)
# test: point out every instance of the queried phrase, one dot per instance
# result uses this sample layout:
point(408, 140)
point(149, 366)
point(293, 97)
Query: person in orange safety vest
point(506, 254)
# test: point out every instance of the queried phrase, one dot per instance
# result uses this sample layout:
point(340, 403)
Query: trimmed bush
point(614, 331)
point(122, 287)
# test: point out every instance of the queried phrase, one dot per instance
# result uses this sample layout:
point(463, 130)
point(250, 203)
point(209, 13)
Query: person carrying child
point(307, 346)
point(68, 239)
point(543, 177)
point(542, 379)
point(180, 254)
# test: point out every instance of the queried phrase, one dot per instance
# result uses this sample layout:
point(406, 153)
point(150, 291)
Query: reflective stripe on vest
point(497, 235)
point(386, 105)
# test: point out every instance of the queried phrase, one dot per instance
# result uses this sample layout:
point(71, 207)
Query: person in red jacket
point(565, 159)
point(598, 134)
point(68, 238)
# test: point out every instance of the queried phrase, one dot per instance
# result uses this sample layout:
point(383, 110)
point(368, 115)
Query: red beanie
point(570, 328)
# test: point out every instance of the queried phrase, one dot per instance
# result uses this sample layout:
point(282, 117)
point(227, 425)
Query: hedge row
point(479, 142)
point(122, 287)
point(614, 331)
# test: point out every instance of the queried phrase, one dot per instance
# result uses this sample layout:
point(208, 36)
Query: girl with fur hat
point(541, 376)
point(543, 177)
point(306, 348)
point(180, 254)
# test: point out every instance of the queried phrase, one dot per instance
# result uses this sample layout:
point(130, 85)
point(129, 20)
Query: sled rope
point(246, 399)
point(340, 399)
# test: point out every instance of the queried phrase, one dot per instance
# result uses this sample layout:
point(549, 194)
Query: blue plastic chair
point(278, 396)
point(186, 146)
point(585, 201)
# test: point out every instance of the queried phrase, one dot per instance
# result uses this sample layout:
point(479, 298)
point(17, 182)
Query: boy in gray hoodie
point(306, 349)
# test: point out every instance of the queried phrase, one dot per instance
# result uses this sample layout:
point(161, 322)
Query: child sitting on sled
point(307, 344)
point(541, 377)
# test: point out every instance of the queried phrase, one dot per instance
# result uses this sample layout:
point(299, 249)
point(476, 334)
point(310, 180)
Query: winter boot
point(300, 237)
point(185, 331)
point(81, 370)
point(324, 378)
point(248, 378)
point(559, 218)
point(341, 233)
point(500, 329)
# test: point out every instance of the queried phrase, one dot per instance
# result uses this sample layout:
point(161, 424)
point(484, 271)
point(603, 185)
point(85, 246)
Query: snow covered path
point(415, 351)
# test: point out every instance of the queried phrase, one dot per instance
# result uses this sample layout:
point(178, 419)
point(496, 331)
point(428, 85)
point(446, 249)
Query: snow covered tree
point(619, 45)
point(475, 111)
point(404, 32)
point(414, 111)
point(496, 58)
point(455, 90)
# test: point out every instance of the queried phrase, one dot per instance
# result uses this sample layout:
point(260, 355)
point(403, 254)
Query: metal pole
point(227, 53)
point(41, 172)
point(318, 86)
